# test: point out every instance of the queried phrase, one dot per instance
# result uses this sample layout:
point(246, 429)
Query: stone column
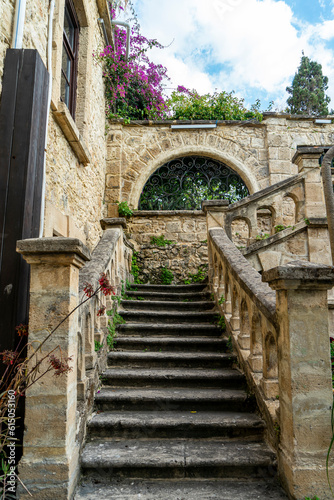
point(304, 371)
point(215, 211)
point(307, 160)
point(50, 464)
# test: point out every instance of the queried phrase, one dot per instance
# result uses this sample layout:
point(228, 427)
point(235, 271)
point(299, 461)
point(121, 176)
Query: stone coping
point(112, 222)
point(252, 122)
point(302, 271)
point(166, 213)
point(207, 204)
point(309, 150)
point(55, 245)
point(276, 238)
point(248, 278)
point(267, 191)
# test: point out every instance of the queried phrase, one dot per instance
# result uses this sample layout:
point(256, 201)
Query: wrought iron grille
point(183, 183)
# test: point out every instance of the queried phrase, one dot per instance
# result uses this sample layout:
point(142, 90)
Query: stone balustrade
point(57, 408)
point(281, 335)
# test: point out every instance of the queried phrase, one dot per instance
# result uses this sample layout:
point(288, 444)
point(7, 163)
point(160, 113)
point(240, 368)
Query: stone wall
point(76, 148)
point(261, 153)
point(186, 255)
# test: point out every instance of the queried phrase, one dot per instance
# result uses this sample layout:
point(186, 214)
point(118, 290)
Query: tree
point(308, 90)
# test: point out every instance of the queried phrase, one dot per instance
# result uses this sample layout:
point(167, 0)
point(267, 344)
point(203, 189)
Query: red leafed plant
point(21, 371)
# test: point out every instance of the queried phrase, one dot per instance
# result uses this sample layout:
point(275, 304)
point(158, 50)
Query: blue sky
point(250, 46)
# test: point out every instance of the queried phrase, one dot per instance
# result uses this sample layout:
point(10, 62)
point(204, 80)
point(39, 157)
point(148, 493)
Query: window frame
point(72, 55)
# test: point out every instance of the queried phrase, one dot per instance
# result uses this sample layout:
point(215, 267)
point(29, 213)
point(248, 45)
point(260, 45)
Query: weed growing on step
point(98, 346)
point(166, 276)
point(197, 277)
point(229, 345)
point(313, 498)
point(221, 300)
point(221, 323)
point(124, 210)
point(135, 268)
point(160, 241)
point(112, 324)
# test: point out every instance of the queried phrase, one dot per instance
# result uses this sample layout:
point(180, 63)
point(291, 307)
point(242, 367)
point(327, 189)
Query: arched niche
point(184, 182)
point(241, 231)
point(220, 155)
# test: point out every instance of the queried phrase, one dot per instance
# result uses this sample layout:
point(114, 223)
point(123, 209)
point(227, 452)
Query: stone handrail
point(281, 337)
point(57, 408)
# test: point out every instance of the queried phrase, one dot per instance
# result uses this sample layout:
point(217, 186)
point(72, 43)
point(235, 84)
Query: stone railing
point(57, 408)
point(279, 328)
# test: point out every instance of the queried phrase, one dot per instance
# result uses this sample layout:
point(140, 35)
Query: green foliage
point(313, 498)
point(197, 277)
point(307, 92)
point(124, 210)
point(166, 276)
point(279, 228)
point(98, 346)
point(277, 430)
point(221, 300)
point(135, 268)
point(262, 236)
point(307, 222)
point(112, 324)
point(221, 322)
point(229, 344)
point(160, 241)
point(189, 105)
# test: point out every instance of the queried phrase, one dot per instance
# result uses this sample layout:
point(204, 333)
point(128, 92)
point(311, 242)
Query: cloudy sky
point(250, 46)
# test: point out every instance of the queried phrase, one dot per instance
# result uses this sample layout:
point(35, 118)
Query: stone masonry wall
point(261, 153)
point(74, 187)
point(186, 255)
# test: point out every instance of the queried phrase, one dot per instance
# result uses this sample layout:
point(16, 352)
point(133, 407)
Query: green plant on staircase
point(197, 277)
point(166, 276)
point(135, 269)
point(112, 324)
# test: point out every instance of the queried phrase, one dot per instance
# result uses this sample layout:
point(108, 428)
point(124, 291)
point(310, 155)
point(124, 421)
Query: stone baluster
point(304, 371)
point(50, 463)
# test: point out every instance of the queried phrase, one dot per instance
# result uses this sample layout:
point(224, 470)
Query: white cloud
point(251, 43)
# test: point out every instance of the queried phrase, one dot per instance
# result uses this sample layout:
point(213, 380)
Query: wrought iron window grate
point(182, 184)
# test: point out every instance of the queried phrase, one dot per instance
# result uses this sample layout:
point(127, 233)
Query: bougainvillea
point(134, 87)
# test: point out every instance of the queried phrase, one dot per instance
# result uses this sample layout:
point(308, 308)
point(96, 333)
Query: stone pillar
point(215, 211)
point(50, 464)
point(307, 160)
point(304, 371)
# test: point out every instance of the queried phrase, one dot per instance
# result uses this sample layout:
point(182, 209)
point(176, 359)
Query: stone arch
point(265, 217)
point(194, 150)
point(289, 209)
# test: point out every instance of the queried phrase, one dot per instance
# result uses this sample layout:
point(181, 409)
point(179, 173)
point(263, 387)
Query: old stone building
point(279, 231)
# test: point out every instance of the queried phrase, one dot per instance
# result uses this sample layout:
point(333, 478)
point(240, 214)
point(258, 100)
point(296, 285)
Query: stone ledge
point(276, 238)
point(214, 205)
point(301, 271)
point(58, 245)
point(71, 132)
point(166, 213)
point(112, 222)
point(309, 151)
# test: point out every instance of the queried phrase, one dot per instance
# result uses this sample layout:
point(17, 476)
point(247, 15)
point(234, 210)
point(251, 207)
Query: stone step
point(172, 399)
point(181, 329)
point(176, 424)
point(175, 344)
point(170, 317)
point(165, 305)
point(188, 296)
point(172, 377)
point(175, 289)
point(176, 458)
point(170, 359)
point(185, 489)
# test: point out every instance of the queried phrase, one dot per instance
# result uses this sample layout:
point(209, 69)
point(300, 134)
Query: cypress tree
point(307, 92)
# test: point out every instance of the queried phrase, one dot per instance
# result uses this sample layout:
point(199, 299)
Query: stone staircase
point(173, 419)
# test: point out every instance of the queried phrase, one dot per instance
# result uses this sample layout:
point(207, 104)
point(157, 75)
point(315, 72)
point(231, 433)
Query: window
point(70, 57)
